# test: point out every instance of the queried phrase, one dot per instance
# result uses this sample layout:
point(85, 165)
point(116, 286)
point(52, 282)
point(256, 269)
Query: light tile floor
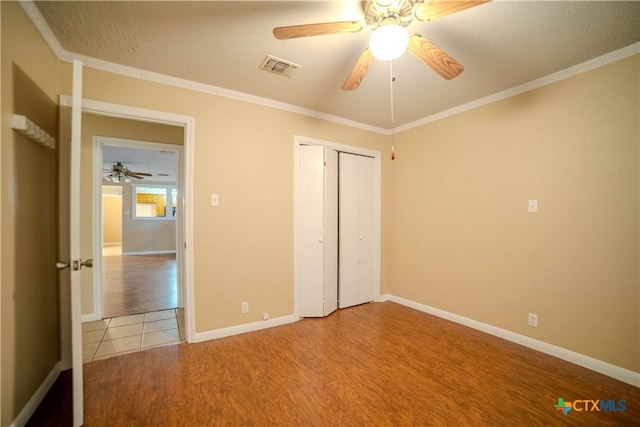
point(118, 335)
point(112, 250)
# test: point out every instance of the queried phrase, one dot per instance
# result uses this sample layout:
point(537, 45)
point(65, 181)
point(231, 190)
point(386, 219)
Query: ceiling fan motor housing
point(388, 12)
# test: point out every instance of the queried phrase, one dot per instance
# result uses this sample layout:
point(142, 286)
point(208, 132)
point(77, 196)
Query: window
point(154, 202)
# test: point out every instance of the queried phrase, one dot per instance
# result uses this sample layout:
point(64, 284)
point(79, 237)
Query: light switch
point(215, 200)
point(533, 206)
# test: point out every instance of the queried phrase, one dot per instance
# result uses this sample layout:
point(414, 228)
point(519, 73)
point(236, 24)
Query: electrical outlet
point(533, 320)
point(265, 316)
point(245, 307)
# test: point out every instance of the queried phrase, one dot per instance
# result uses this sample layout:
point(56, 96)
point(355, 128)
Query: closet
point(336, 247)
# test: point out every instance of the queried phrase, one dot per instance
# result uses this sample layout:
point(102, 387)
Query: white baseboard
point(241, 329)
point(148, 252)
point(33, 403)
point(90, 317)
point(613, 371)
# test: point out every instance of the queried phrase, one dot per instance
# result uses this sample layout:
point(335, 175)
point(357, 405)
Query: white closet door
point(310, 231)
point(356, 213)
point(349, 231)
point(330, 231)
point(366, 247)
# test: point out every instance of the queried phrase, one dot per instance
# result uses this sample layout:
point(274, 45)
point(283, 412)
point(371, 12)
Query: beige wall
point(462, 240)
point(243, 249)
point(29, 316)
point(455, 232)
point(95, 125)
point(145, 235)
point(111, 219)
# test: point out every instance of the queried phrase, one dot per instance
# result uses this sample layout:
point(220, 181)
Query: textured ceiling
point(155, 162)
point(502, 44)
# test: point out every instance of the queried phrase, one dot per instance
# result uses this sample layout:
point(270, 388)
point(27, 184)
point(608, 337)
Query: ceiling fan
point(121, 173)
point(390, 16)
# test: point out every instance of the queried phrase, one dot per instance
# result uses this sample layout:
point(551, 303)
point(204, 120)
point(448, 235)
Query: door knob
point(76, 265)
point(62, 265)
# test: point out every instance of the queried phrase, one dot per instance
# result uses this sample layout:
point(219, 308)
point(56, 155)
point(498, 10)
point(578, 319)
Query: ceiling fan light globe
point(388, 42)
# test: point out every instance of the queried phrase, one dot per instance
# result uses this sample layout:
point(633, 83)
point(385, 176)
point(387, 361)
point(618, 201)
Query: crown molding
point(594, 63)
point(41, 25)
point(39, 22)
point(137, 73)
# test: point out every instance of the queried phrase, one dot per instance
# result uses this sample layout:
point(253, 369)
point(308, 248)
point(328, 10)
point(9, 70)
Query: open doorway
point(136, 222)
point(139, 226)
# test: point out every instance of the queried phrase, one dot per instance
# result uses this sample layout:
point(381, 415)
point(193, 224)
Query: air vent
point(279, 66)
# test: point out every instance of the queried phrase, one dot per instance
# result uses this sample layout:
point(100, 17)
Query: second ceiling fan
point(392, 15)
point(119, 172)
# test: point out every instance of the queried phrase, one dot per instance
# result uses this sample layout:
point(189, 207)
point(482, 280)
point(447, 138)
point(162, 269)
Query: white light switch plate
point(533, 206)
point(215, 200)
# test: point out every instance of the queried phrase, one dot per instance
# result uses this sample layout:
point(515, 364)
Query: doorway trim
point(377, 156)
point(99, 142)
point(185, 246)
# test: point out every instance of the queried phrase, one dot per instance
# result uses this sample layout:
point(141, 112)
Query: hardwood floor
point(372, 365)
point(139, 283)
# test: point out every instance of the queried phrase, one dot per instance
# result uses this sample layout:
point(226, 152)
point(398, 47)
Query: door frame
point(377, 156)
point(99, 142)
point(185, 246)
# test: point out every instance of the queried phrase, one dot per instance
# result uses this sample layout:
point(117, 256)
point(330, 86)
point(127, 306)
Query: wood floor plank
point(139, 283)
point(378, 364)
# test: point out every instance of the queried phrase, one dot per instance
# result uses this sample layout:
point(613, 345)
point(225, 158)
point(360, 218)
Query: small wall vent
point(279, 66)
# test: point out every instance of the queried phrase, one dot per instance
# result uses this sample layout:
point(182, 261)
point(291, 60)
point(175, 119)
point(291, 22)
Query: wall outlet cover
point(533, 320)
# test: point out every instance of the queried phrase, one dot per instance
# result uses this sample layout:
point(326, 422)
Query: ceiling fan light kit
point(117, 177)
point(388, 19)
point(389, 42)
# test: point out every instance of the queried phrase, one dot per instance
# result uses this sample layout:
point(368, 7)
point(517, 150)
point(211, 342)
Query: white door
point(318, 230)
point(366, 217)
point(74, 262)
point(356, 242)
point(330, 249)
point(310, 230)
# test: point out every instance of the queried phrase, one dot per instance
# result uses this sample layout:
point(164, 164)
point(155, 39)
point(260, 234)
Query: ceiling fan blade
point(435, 58)
point(429, 10)
point(140, 173)
point(359, 70)
point(295, 31)
point(135, 175)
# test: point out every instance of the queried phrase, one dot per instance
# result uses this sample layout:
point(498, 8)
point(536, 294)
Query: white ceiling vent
point(279, 66)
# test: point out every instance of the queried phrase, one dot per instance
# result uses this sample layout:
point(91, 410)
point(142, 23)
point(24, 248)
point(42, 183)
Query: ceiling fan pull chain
point(391, 80)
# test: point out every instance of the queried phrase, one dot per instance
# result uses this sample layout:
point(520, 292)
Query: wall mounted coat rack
point(32, 131)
